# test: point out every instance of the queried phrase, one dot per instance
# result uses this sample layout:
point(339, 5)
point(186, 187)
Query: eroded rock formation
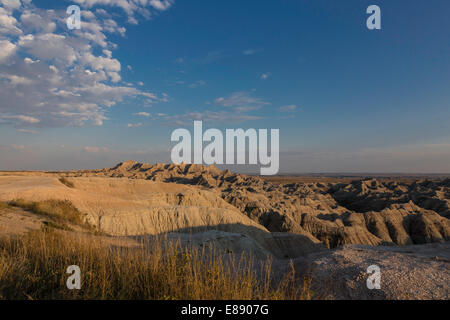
point(365, 211)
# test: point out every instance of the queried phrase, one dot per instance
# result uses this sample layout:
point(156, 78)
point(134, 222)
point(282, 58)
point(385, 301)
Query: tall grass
point(34, 266)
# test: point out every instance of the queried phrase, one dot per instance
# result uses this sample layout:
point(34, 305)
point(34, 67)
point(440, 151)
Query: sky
point(345, 98)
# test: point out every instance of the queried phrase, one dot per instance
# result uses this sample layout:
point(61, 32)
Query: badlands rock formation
point(400, 226)
point(284, 220)
point(124, 207)
point(361, 212)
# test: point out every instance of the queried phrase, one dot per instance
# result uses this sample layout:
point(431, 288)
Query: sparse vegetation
point(61, 213)
point(59, 210)
point(66, 182)
point(34, 267)
point(3, 205)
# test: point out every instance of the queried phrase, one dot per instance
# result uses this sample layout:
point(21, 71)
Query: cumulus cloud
point(8, 23)
point(161, 4)
point(7, 49)
point(30, 61)
point(32, 21)
point(11, 4)
point(52, 76)
point(145, 8)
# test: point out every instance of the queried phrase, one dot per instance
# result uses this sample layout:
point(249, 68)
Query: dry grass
point(33, 267)
point(60, 211)
point(66, 182)
point(60, 214)
point(3, 205)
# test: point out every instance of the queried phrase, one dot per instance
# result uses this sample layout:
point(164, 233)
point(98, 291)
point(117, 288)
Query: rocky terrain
point(407, 272)
point(328, 228)
point(361, 212)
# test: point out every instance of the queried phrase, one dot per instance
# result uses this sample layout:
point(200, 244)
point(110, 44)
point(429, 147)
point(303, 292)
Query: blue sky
point(345, 98)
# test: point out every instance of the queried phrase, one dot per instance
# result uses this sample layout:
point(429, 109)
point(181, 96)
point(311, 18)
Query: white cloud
point(131, 7)
point(8, 24)
point(142, 114)
point(37, 22)
point(161, 4)
point(241, 102)
point(16, 80)
point(164, 97)
point(30, 61)
point(23, 118)
point(61, 78)
point(111, 26)
point(265, 76)
point(134, 125)
point(11, 4)
point(50, 46)
point(7, 49)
